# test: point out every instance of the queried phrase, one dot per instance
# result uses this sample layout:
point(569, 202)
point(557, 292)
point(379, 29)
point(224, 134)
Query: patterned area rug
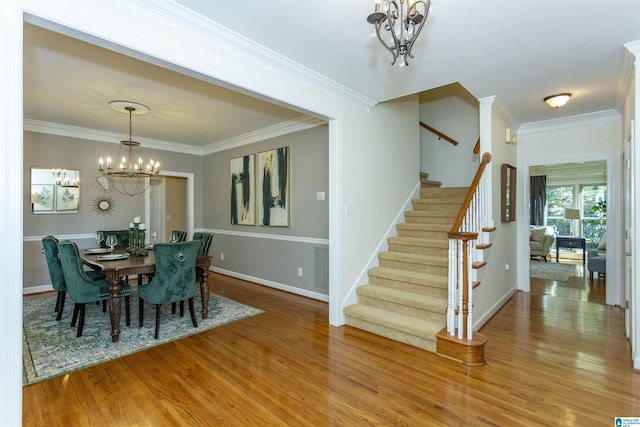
point(551, 270)
point(51, 349)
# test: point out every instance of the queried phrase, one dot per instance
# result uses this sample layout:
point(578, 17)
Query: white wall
point(582, 138)
point(457, 119)
point(498, 283)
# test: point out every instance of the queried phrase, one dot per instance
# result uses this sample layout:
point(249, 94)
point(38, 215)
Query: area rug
point(50, 347)
point(551, 270)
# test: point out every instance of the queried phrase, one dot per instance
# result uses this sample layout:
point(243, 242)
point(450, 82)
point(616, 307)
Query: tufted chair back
point(175, 273)
point(50, 245)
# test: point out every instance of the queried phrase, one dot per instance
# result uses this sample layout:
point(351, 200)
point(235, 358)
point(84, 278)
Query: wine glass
point(174, 236)
point(111, 241)
point(99, 237)
point(154, 236)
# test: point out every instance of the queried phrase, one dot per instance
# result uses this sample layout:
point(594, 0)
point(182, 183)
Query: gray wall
point(273, 255)
point(45, 150)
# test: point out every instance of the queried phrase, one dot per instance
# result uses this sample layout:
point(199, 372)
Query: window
point(594, 213)
point(590, 199)
point(559, 198)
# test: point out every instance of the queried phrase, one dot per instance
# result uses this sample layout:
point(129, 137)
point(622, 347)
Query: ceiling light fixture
point(558, 100)
point(130, 178)
point(397, 24)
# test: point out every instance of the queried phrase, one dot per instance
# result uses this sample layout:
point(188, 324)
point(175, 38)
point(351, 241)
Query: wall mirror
point(508, 203)
point(55, 190)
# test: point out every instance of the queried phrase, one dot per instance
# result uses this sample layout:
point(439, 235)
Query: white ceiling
point(518, 50)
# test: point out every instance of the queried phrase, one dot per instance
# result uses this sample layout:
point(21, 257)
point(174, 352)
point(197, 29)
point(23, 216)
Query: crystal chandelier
point(130, 177)
point(397, 24)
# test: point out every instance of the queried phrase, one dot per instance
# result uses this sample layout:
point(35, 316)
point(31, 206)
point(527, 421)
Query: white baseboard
point(275, 285)
point(37, 289)
point(479, 323)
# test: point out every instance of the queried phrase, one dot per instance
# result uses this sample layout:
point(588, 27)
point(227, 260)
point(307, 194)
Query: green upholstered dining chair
point(81, 288)
point(180, 235)
point(205, 239)
point(50, 247)
point(174, 280)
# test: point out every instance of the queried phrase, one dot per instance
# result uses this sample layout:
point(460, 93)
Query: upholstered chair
point(182, 235)
point(81, 288)
point(174, 280)
point(50, 247)
point(206, 239)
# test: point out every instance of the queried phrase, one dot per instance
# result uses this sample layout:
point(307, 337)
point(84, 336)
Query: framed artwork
point(42, 197)
point(243, 205)
point(67, 198)
point(273, 187)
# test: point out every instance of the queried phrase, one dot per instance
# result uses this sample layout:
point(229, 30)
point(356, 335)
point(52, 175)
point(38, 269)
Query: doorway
point(169, 205)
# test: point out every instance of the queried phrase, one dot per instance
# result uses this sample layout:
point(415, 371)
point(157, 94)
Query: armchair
point(540, 241)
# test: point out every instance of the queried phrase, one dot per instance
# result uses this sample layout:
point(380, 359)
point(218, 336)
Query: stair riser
point(414, 219)
point(431, 214)
point(441, 235)
point(435, 290)
point(411, 266)
point(419, 313)
point(422, 250)
point(393, 334)
point(445, 192)
point(422, 205)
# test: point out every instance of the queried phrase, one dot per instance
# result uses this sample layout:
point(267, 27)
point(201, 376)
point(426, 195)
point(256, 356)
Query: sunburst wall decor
point(103, 205)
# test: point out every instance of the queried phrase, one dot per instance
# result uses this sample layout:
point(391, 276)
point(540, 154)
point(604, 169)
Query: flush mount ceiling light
point(558, 100)
point(129, 177)
point(397, 24)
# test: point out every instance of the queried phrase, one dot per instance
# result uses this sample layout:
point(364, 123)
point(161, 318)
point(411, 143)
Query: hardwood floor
point(555, 356)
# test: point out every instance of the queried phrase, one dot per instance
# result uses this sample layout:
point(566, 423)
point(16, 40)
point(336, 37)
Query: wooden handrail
point(486, 158)
point(439, 134)
point(476, 148)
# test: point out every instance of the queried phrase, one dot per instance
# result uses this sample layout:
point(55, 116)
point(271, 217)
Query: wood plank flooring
point(555, 356)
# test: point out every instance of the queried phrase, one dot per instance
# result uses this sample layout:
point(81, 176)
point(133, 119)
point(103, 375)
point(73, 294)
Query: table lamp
point(572, 214)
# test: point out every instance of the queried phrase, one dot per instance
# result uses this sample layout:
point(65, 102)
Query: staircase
point(406, 297)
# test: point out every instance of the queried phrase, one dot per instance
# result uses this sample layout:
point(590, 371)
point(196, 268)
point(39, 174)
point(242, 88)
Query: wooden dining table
point(116, 270)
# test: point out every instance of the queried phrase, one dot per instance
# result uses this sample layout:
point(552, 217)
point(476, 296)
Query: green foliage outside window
point(593, 211)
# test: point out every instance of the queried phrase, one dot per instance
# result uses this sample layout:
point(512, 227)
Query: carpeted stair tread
point(444, 193)
point(415, 258)
point(432, 214)
point(417, 241)
point(410, 299)
point(427, 279)
point(423, 227)
point(396, 321)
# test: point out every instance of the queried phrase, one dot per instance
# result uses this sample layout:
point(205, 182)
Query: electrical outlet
point(221, 256)
point(299, 271)
point(506, 267)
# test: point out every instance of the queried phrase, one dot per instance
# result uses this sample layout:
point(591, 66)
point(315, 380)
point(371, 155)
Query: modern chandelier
point(398, 24)
point(130, 176)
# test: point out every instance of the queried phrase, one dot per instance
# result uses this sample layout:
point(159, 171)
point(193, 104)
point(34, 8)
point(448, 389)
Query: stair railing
point(469, 223)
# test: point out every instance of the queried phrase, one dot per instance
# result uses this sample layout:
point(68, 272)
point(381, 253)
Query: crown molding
point(598, 117)
point(280, 129)
point(284, 67)
point(103, 136)
point(631, 56)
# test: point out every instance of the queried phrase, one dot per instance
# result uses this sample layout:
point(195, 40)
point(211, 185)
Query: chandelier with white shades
point(398, 24)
